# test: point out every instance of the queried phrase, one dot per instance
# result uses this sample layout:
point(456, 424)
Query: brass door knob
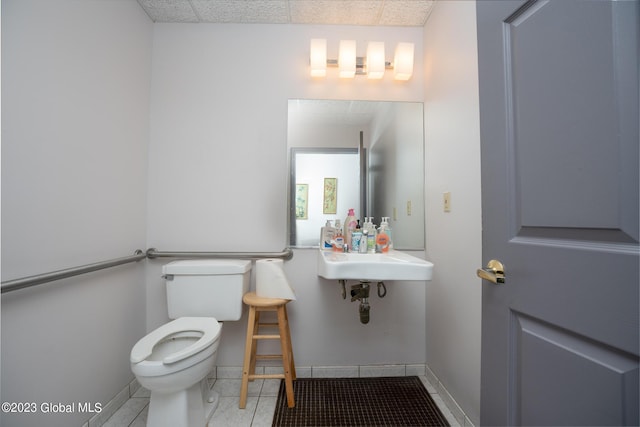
point(493, 272)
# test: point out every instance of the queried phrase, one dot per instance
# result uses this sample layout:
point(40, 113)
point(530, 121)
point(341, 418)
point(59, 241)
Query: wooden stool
point(256, 306)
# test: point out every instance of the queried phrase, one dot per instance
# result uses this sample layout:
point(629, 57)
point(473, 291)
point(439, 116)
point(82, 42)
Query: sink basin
point(393, 265)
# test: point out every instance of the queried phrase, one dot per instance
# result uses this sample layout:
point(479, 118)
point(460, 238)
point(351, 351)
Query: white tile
point(416, 370)
point(445, 410)
point(467, 422)
point(430, 388)
point(264, 412)
point(457, 412)
point(231, 387)
point(134, 386)
point(270, 388)
point(229, 414)
point(229, 372)
point(303, 371)
point(335, 372)
point(382, 371)
point(127, 413)
point(110, 408)
point(142, 392)
point(141, 419)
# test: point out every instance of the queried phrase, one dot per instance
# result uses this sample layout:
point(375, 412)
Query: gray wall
point(75, 107)
point(454, 238)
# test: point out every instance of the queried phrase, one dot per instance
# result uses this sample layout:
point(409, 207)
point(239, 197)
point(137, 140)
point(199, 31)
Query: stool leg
point(286, 363)
point(291, 359)
point(247, 357)
point(254, 344)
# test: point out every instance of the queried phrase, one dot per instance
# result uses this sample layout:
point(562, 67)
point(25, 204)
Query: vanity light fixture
point(347, 58)
point(373, 65)
point(318, 57)
point(403, 61)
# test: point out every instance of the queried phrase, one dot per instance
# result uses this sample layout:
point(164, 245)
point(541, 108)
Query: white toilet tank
point(206, 288)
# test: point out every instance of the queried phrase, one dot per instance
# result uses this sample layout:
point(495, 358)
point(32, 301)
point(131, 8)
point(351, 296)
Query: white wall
point(218, 175)
point(75, 103)
point(453, 164)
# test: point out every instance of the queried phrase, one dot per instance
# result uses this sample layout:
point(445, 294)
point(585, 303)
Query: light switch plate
point(446, 199)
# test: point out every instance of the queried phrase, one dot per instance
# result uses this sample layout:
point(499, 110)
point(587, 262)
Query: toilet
point(173, 361)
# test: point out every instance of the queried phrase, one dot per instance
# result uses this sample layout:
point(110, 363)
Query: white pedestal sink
point(393, 265)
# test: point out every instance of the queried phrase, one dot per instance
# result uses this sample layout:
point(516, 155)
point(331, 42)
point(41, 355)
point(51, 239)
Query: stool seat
point(258, 305)
point(250, 298)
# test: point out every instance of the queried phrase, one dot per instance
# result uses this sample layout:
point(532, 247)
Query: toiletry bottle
point(371, 240)
point(349, 227)
point(382, 239)
point(364, 240)
point(338, 240)
point(326, 236)
point(356, 238)
point(388, 231)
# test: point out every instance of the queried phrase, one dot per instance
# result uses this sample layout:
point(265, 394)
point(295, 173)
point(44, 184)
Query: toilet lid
point(208, 326)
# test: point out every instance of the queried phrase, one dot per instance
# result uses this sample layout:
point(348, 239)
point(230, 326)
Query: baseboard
point(354, 371)
point(451, 403)
point(113, 405)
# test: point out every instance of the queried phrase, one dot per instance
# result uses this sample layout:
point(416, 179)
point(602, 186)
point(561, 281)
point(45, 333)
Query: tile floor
point(260, 408)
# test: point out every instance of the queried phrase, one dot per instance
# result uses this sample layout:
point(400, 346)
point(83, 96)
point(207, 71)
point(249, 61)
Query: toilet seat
point(208, 326)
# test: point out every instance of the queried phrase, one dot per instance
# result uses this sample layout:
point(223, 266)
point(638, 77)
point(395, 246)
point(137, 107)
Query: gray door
point(559, 130)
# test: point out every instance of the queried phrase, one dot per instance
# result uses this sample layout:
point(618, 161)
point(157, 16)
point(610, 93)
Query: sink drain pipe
point(360, 292)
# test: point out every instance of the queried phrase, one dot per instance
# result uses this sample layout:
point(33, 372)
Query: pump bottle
point(327, 234)
point(383, 239)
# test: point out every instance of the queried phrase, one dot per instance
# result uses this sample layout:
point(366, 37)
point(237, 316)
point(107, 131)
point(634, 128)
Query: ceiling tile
point(169, 10)
point(336, 12)
point(255, 11)
point(405, 12)
point(318, 12)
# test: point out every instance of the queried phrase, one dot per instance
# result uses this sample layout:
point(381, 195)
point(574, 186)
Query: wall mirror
point(366, 155)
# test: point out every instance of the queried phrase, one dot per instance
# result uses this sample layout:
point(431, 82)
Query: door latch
point(493, 272)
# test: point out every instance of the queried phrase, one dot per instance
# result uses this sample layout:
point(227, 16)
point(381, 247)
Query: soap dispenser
point(383, 239)
point(327, 233)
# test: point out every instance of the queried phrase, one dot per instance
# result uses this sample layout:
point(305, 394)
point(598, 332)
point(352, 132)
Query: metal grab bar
point(285, 254)
point(25, 282)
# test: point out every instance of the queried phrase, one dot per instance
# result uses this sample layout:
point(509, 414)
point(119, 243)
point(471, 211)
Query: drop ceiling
point(409, 13)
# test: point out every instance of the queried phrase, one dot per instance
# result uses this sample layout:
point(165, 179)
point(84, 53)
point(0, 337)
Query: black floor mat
point(386, 401)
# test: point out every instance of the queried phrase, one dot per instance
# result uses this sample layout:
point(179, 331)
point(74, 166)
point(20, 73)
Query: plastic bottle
point(388, 231)
point(338, 240)
point(383, 239)
point(371, 238)
point(356, 238)
point(364, 241)
point(327, 234)
point(349, 227)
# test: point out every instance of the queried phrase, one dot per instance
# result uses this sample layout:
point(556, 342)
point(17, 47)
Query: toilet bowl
point(173, 362)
